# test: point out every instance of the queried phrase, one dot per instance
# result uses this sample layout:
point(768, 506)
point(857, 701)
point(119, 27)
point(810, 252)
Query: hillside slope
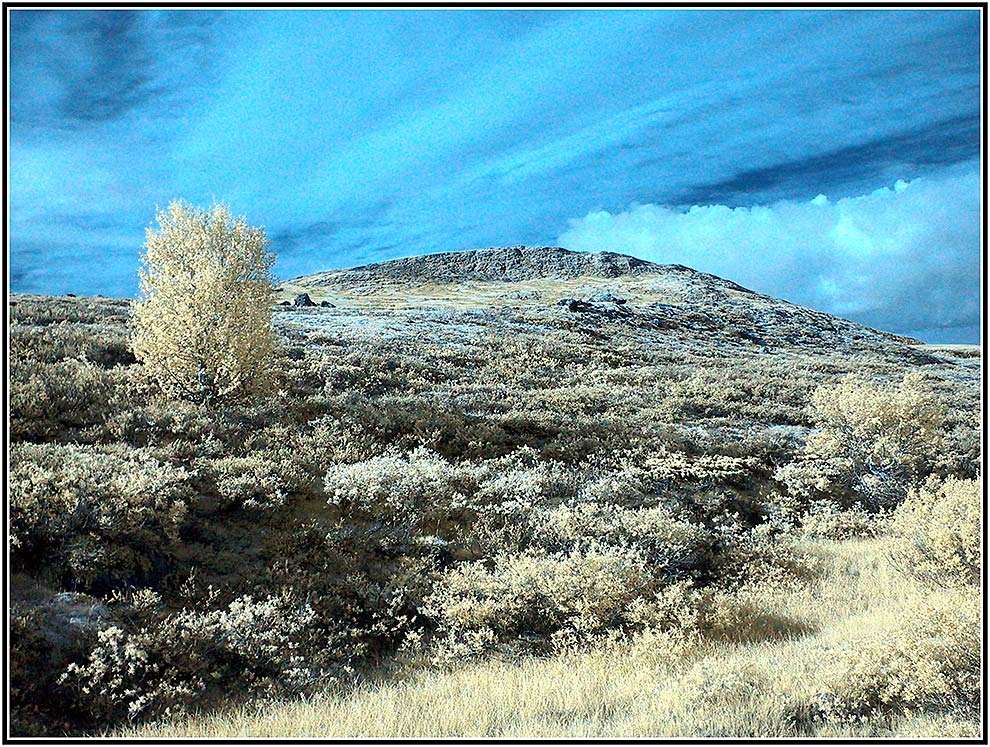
point(511, 447)
point(674, 303)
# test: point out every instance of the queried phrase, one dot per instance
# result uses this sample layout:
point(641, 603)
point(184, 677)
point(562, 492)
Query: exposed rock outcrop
point(506, 264)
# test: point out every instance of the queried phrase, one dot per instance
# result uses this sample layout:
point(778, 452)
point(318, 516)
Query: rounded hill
point(503, 263)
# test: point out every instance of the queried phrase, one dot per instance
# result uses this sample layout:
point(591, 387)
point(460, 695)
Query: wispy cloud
point(854, 167)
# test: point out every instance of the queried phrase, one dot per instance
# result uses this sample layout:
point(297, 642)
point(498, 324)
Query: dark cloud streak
point(122, 74)
point(845, 171)
point(101, 66)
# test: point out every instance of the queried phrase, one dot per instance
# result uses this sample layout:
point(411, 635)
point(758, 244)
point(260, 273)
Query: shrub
point(828, 520)
point(174, 661)
point(296, 458)
point(365, 595)
point(624, 486)
point(159, 423)
point(416, 488)
point(961, 454)
point(250, 482)
point(810, 480)
point(29, 659)
point(673, 549)
point(927, 659)
point(938, 532)
point(204, 328)
point(94, 514)
point(673, 468)
point(47, 398)
point(44, 310)
point(882, 435)
point(100, 344)
point(376, 373)
point(522, 477)
point(533, 599)
point(739, 389)
point(763, 554)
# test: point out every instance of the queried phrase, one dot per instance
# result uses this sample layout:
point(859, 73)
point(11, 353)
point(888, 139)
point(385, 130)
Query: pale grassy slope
point(484, 294)
point(766, 685)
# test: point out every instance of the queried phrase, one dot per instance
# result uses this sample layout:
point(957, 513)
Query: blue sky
point(829, 157)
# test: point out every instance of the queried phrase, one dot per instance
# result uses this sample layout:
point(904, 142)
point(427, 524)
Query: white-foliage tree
point(203, 327)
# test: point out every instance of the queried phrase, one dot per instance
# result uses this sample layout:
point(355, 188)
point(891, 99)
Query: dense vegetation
point(548, 485)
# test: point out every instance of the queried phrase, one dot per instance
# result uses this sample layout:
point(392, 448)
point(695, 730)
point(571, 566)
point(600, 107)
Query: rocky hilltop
point(499, 264)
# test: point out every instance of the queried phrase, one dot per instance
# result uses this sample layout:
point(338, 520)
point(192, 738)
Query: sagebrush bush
point(961, 453)
point(673, 549)
point(103, 345)
point(673, 467)
point(249, 482)
point(179, 659)
point(93, 513)
point(42, 311)
point(882, 435)
point(365, 588)
point(716, 690)
point(930, 659)
point(47, 399)
point(29, 658)
point(623, 486)
point(522, 477)
point(416, 488)
point(809, 480)
point(764, 554)
point(203, 329)
point(535, 599)
point(378, 373)
point(158, 423)
point(739, 389)
point(829, 520)
point(938, 529)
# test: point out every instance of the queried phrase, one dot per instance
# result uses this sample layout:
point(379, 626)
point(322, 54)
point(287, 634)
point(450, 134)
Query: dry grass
point(467, 295)
point(656, 685)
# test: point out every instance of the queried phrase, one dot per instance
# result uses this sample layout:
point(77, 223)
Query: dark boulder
point(303, 299)
point(607, 297)
point(574, 304)
point(611, 311)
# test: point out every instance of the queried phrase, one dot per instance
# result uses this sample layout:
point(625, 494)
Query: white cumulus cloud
point(905, 258)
